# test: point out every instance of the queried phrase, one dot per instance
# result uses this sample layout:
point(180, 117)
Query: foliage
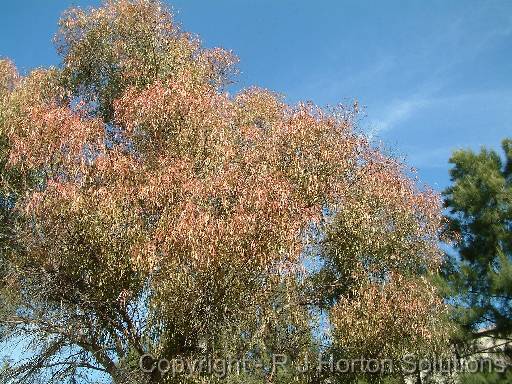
point(479, 278)
point(155, 213)
point(479, 202)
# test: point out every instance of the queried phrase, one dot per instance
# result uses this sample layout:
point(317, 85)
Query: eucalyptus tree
point(156, 214)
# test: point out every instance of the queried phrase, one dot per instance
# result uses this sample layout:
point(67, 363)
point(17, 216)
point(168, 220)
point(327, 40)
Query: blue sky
point(434, 76)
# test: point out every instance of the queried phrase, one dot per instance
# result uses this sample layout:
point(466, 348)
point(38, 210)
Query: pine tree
point(479, 274)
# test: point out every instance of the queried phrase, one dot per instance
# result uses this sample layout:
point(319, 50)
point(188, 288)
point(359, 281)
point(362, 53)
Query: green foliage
point(479, 203)
point(487, 378)
point(477, 278)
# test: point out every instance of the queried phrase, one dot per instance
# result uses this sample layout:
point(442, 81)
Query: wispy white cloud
point(397, 112)
point(429, 91)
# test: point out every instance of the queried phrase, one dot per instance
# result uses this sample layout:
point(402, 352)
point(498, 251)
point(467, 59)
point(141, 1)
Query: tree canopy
point(478, 276)
point(145, 210)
